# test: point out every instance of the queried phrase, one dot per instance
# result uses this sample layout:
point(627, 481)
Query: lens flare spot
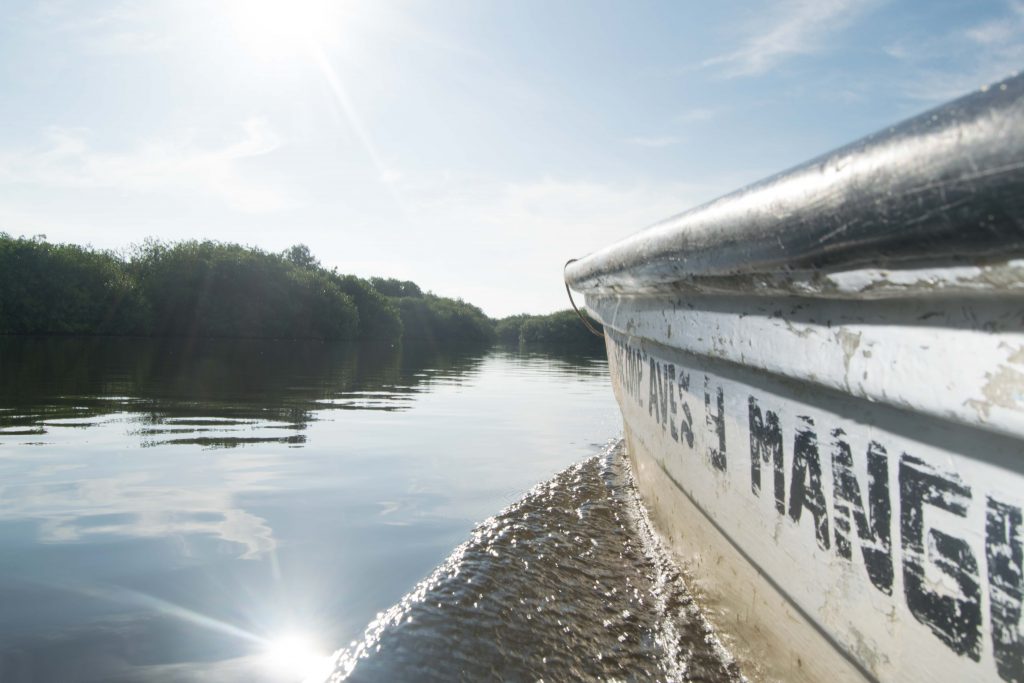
point(295, 657)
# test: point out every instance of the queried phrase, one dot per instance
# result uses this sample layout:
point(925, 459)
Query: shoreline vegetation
point(207, 289)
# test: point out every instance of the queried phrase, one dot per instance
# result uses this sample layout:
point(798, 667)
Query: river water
point(280, 511)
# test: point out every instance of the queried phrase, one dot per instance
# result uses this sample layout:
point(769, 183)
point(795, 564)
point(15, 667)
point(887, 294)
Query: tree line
point(562, 328)
point(214, 289)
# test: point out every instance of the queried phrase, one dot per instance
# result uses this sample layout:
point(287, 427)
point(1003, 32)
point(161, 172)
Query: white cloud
point(116, 28)
point(943, 67)
point(991, 33)
point(798, 27)
point(697, 114)
point(128, 42)
point(898, 50)
point(172, 166)
point(664, 141)
point(999, 31)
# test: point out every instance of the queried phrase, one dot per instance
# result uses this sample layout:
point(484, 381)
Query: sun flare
point(272, 27)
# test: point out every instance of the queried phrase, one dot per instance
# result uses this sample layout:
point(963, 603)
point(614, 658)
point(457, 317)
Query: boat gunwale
point(944, 187)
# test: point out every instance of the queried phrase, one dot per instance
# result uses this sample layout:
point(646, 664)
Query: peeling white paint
point(924, 488)
point(954, 360)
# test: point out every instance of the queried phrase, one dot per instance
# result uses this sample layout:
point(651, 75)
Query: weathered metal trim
point(881, 351)
point(946, 186)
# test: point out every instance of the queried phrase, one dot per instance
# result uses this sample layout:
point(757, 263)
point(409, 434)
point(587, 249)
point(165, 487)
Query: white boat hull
point(822, 384)
point(832, 538)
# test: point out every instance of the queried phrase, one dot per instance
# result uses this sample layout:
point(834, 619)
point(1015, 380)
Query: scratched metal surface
point(945, 185)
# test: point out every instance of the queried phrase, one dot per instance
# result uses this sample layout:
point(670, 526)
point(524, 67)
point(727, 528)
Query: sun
point(282, 27)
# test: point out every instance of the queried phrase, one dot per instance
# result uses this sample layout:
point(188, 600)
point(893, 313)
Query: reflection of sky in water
point(171, 527)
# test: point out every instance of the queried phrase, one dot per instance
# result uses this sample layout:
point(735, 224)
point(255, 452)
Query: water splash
point(569, 583)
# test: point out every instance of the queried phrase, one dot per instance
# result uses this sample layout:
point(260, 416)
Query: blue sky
point(470, 146)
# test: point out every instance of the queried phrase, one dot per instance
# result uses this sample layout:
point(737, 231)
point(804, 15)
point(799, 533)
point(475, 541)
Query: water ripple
point(569, 583)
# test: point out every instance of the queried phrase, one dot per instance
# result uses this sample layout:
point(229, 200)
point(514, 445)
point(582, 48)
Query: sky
point(470, 146)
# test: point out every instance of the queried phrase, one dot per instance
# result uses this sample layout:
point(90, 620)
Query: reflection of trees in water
point(226, 393)
point(571, 359)
point(214, 393)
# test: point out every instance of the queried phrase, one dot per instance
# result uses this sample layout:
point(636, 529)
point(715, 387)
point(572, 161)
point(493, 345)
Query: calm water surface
point(239, 511)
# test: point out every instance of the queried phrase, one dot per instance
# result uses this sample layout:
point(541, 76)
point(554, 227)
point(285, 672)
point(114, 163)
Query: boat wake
point(569, 583)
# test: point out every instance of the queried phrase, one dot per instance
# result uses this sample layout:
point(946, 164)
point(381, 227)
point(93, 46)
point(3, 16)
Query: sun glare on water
point(296, 658)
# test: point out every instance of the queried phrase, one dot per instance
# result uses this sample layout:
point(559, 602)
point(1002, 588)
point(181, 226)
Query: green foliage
point(507, 329)
point(396, 288)
point(300, 255)
point(561, 328)
point(65, 289)
point(212, 289)
point(378, 316)
point(209, 289)
point(436, 320)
